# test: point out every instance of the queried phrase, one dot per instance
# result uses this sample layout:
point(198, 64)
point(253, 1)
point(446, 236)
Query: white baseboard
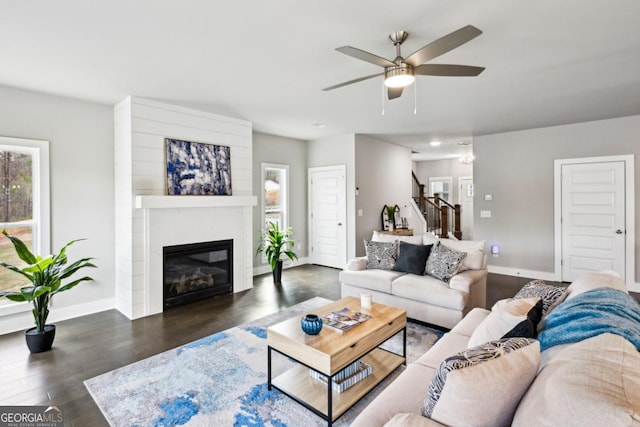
point(24, 320)
point(266, 268)
point(516, 272)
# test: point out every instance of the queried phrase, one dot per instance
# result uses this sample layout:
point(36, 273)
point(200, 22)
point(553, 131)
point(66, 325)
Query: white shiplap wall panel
point(142, 126)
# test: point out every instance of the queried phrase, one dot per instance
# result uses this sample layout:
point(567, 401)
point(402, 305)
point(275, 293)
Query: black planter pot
point(277, 272)
point(39, 342)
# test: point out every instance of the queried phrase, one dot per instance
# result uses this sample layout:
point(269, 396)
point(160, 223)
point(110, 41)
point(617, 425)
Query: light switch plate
point(488, 197)
point(485, 214)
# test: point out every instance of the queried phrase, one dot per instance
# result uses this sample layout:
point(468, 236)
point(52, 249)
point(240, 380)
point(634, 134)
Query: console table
point(398, 232)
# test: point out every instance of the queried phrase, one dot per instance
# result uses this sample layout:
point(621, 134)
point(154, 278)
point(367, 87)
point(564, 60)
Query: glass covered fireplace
point(197, 270)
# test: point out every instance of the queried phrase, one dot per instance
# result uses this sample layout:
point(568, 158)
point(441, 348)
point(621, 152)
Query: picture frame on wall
point(197, 168)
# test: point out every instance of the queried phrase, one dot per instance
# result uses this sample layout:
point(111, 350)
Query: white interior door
point(465, 200)
point(327, 216)
point(593, 218)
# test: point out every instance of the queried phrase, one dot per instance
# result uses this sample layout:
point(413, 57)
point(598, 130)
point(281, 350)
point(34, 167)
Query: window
point(24, 202)
point(275, 200)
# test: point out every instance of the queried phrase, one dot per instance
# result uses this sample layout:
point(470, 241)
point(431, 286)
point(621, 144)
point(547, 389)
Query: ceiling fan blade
point(447, 70)
point(443, 45)
point(394, 92)
point(352, 81)
point(365, 56)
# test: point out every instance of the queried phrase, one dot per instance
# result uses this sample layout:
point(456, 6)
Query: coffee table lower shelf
point(299, 385)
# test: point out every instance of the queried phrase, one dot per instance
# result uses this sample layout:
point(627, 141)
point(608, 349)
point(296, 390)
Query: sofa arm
point(357, 264)
point(411, 420)
point(474, 284)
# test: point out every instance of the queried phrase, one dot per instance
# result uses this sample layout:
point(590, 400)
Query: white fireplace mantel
point(166, 202)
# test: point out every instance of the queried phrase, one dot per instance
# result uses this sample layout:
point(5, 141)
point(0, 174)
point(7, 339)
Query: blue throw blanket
point(592, 313)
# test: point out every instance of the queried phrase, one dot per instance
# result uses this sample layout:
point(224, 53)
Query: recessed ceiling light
point(319, 125)
point(435, 143)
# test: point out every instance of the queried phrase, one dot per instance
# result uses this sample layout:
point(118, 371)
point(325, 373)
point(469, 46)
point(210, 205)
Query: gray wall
point(339, 150)
point(80, 136)
point(383, 177)
point(443, 168)
point(293, 152)
point(516, 168)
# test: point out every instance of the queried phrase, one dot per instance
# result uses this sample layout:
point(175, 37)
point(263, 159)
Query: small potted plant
point(274, 243)
point(46, 275)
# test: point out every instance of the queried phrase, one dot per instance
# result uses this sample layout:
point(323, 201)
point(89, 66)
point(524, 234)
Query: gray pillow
point(381, 255)
point(443, 262)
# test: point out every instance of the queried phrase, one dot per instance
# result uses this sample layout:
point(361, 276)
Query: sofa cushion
point(595, 280)
point(595, 382)
point(377, 280)
point(429, 290)
point(411, 420)
point(443, 262)
point(387, 404)
point(446, 346)
point(412, 258)
point(507, 315)
point(538, 288)
point(381, 255)
point(470, 322)
point(473, 248)
point(483, 385)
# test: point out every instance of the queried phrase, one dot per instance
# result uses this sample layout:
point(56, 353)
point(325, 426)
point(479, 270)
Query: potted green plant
point(275, 243)
point(46, 275)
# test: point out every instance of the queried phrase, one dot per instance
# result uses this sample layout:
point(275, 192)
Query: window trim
point(285, 204)
point(39, 149)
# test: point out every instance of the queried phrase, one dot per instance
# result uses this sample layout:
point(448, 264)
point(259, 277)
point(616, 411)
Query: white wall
point(516, 168)
point(82, 190)
point(292, 152)
point(141, 127)
point(383, 177)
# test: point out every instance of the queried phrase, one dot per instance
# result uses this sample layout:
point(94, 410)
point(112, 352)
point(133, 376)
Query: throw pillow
point(443, 262)
point(508, 317)
point(538, 288)
point(412, 258)
point(482, 386)
point(381, 255)
point(474, 250)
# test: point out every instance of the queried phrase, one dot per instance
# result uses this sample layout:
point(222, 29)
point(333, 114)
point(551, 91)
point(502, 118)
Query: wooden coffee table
point(329, 352)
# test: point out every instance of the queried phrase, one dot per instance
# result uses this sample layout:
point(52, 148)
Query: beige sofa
point(425, 298)
point(593, 382)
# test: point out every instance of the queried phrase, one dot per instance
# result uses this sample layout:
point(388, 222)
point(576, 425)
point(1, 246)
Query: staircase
point(441, 216)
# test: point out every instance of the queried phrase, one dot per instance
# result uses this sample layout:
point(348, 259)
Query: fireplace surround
point(197, 270)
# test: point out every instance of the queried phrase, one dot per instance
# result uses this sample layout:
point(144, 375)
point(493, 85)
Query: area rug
point(220, 380)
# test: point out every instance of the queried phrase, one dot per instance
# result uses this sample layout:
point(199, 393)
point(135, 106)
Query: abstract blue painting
point(195, 168)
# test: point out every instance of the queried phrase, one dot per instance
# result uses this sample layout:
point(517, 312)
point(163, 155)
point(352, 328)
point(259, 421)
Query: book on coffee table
point(344, 319)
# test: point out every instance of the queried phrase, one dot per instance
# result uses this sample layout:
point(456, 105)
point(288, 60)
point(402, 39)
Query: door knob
point(618, 231)
point(340, 224)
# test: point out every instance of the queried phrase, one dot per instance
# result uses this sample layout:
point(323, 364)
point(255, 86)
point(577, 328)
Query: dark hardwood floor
point(98, 343)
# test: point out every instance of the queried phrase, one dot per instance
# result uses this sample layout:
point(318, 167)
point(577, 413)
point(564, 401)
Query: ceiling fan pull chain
point(382, 99)
point(415, 98)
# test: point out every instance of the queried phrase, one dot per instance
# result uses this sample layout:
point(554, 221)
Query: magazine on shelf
point(349, 376)
point(344, 319)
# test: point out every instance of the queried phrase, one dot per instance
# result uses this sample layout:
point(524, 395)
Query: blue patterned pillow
point(381, 255)
point(443, 262)
point(483, 385)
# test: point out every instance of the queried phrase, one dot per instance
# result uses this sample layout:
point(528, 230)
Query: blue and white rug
point(220, 380)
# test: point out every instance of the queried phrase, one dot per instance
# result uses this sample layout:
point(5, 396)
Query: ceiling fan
point(401, 72)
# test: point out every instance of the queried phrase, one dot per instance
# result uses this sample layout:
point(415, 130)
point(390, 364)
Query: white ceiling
point(547, 62)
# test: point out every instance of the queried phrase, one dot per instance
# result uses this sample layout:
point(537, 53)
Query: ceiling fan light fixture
point(400, 76)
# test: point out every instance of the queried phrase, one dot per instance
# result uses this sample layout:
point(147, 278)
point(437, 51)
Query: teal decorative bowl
point(311, 324)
